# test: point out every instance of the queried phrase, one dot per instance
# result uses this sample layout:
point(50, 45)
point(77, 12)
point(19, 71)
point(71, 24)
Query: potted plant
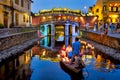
point(1, 25)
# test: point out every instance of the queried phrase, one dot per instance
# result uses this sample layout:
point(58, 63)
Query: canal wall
point(110, 41)
point(13, 43)
point(14, 51)
point(107, 44)
point(8, 31)
point(15, 39)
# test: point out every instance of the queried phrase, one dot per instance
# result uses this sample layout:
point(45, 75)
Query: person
point(63, 51)
point(76, 49)
point(95, 27)
point(69, 51)
point(117, 28)
point(86, 26)
point(64, 57)
point(112, 27)
point(105, 32)
point(79, 62)
point(101, 28)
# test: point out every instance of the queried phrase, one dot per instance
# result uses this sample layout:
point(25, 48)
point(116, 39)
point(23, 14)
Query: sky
point(71, 4)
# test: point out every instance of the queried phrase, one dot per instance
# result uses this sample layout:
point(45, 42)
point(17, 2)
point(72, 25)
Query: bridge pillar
point(67, 40)
point(52, 29)
point(45, 29)
point(73, 29)
point(52, 42)
point(46, 41)
point(67, 29)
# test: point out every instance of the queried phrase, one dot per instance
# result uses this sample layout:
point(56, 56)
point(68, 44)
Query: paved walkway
point(117, 35)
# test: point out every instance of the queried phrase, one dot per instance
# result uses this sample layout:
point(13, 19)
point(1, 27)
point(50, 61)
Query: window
point(17, 1)
point(22, 3)
point(104, 8)
point(119, 8)
point(23, 18)
point(115, 8)
point(97, 10)
point(27, 19)
point(110, 8)
point(17, 18)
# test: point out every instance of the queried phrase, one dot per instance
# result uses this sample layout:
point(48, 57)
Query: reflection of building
point(18, 64)
point(107, 10)
point(15, 13)
point(60, 21)
point(51, 42)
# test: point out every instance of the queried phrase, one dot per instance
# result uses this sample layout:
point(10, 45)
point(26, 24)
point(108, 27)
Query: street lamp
point(85, 16)
point(85, 8)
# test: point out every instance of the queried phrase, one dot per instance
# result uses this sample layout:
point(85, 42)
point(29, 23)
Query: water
point(47, 70)
point(45, 64)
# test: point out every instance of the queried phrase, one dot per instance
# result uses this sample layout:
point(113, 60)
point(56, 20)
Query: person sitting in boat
point(63, 54)
point(76, 49)
point(69, 51)
point(63, 51)
point(79, 62)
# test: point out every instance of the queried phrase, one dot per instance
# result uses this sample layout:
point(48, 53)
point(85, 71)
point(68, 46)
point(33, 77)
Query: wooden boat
point(71, 69)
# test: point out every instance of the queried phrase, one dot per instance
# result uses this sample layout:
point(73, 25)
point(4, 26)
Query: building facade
point(15, 13)
point(107, 10)
point(58, 21)
point(61, 21)
point(111, 10)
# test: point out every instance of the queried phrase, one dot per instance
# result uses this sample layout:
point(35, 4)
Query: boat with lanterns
point(70, 69)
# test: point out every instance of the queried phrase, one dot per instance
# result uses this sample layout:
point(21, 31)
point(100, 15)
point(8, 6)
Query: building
point(97, 9)
point(58, 21)
point(61, 21)
point(111, 10)
point(15, 13)
point(107, 10)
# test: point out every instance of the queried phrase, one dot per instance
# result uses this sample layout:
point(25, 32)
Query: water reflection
point(52, 43)
point(46, 70)
point(104, 65)
point(96, 63)
point(16, 68)
point(42, 63)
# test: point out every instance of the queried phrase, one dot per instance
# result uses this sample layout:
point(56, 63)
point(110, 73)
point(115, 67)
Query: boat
point(71, 69)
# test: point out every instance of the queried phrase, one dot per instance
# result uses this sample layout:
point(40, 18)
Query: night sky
point(71, 4)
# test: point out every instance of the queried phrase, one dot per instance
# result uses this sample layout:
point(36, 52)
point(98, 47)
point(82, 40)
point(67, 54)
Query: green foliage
point(1, 25)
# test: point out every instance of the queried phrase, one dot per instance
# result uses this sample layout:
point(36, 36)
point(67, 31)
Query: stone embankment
point(13, 44)
point(8, 31)
point(107, 44)
point(16, 50)
point(15, 39)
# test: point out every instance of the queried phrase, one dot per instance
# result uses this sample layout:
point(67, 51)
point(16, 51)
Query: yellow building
point(97, 9)
point(107, 10)
point(15, 13)
point(111, 10)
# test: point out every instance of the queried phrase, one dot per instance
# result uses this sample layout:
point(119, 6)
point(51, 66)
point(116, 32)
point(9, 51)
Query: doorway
point(5, 19)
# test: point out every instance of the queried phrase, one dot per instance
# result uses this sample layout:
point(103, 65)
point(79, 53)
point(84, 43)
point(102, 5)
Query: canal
point(41, 62)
